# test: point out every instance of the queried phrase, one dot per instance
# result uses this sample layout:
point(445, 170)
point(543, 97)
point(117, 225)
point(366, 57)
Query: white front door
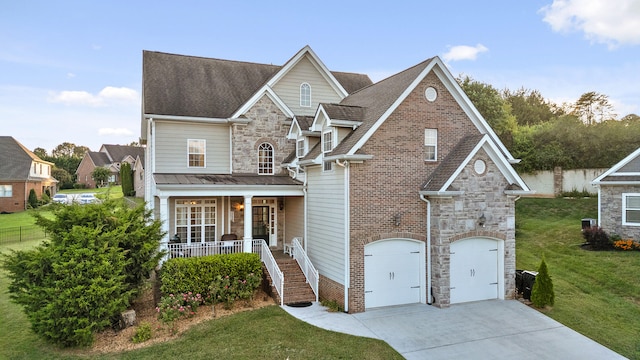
point(474, 270)
point(393, 273)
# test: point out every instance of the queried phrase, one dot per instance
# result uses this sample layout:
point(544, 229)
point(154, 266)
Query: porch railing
point(305, 264)
point(277, 277)
point(259, 247)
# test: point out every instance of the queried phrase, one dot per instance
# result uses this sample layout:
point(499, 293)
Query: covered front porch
point(211, 210)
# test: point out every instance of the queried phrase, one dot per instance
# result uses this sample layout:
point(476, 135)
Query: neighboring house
point(20, 171)
point(400, 190)
point(619, 197)
point(110, 157)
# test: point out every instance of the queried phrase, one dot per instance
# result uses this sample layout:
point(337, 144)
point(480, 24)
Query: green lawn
point(597, 293)
point(267, 333)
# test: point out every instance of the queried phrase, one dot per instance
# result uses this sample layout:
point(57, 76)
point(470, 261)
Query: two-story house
point(20, 172)
point(111, 157)
point(400, 190)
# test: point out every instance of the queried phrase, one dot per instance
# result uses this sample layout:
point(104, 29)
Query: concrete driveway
point(496, 329)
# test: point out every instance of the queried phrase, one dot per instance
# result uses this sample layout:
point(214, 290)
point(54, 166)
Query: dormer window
point(265, 159)
point(327, 146)
point(300, 148)
point(305, 95)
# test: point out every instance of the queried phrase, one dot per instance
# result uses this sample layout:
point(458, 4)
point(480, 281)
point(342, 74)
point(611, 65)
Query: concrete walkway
point(496, 329)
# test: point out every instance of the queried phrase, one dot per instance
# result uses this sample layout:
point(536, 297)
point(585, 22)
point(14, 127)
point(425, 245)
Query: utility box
point(588, 223)
point(524, 282)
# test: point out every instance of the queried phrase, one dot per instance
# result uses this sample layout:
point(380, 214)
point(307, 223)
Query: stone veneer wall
point(456, 218)
point(268, 124)
point(611, 211)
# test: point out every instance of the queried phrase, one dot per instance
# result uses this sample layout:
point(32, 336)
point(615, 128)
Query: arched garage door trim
point(394, 272)
point(475, 263)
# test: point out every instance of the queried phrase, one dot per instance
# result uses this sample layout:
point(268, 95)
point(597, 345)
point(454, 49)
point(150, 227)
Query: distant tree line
point(66, 157)
point(584, 134)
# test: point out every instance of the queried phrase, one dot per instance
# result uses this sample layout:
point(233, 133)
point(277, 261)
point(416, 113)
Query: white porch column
point(248, 229)
point(164, 218)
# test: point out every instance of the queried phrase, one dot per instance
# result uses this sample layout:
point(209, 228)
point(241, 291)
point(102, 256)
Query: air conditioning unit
point(588, 223)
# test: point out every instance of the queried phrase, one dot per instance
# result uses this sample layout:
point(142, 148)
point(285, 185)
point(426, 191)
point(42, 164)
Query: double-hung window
point(265, 159)
point(631, 209)
point(300, 148)
point(327, 146)
point(196, 152)
point(430, 144)
point(6, 190)
point(305, 95)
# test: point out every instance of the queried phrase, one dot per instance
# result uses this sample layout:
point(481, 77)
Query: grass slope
point(597, 293)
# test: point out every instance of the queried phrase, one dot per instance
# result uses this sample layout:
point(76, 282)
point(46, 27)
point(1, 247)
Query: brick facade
point(388, 186)
point(20, 192)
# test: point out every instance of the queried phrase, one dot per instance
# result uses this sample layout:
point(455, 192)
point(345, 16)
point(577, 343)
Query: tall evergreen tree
point(542, 292)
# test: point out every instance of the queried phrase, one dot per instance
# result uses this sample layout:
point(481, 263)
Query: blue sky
point(70, 71)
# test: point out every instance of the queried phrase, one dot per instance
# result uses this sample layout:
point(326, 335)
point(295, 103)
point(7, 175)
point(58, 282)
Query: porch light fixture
point(482, 220)
point(396, 219)
point(239, 206)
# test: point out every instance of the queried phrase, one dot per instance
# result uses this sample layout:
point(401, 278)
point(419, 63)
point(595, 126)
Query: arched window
point(265, 159)
point(305, 95)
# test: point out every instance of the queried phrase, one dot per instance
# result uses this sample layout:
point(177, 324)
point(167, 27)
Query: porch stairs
point(296, 288)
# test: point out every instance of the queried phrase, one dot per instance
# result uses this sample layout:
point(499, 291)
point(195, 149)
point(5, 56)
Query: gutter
point(429, 296)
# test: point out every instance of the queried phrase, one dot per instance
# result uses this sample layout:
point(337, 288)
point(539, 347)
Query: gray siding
point(294, 218)
point(171, 147)
point(288, 88)
point(326, 221)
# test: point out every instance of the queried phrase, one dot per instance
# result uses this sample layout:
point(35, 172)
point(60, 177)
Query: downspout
point(305, 211)
point(429, 297)
point(347, 232)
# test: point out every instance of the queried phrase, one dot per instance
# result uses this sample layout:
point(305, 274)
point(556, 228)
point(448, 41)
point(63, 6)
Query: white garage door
point(474, 270)
point(392, 272)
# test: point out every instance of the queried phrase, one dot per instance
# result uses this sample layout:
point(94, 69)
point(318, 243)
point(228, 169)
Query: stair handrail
point(309, 271)
point(277, 277)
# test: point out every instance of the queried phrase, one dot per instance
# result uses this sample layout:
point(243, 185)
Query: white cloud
point(602, 21)
point(115, 131)
point(464, 52)
point(107, 96)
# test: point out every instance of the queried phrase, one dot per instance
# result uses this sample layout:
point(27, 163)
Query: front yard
point(597, 294)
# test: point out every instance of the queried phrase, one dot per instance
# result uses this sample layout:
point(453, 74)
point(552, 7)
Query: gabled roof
point(439, 182)
point(182, 85)
point(381, 99)
point(98, 158)
point(344, 112)
point(117, 153)
point(191, 86)
point(299, 125)
point(625, 172)
point(16, 160)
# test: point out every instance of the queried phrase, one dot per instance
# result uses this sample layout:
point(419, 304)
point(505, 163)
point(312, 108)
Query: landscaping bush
point(542, 292)
point(87, 274)
point(197, 274)
point(227, 289)
point(33, 199)
point(597, 238)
